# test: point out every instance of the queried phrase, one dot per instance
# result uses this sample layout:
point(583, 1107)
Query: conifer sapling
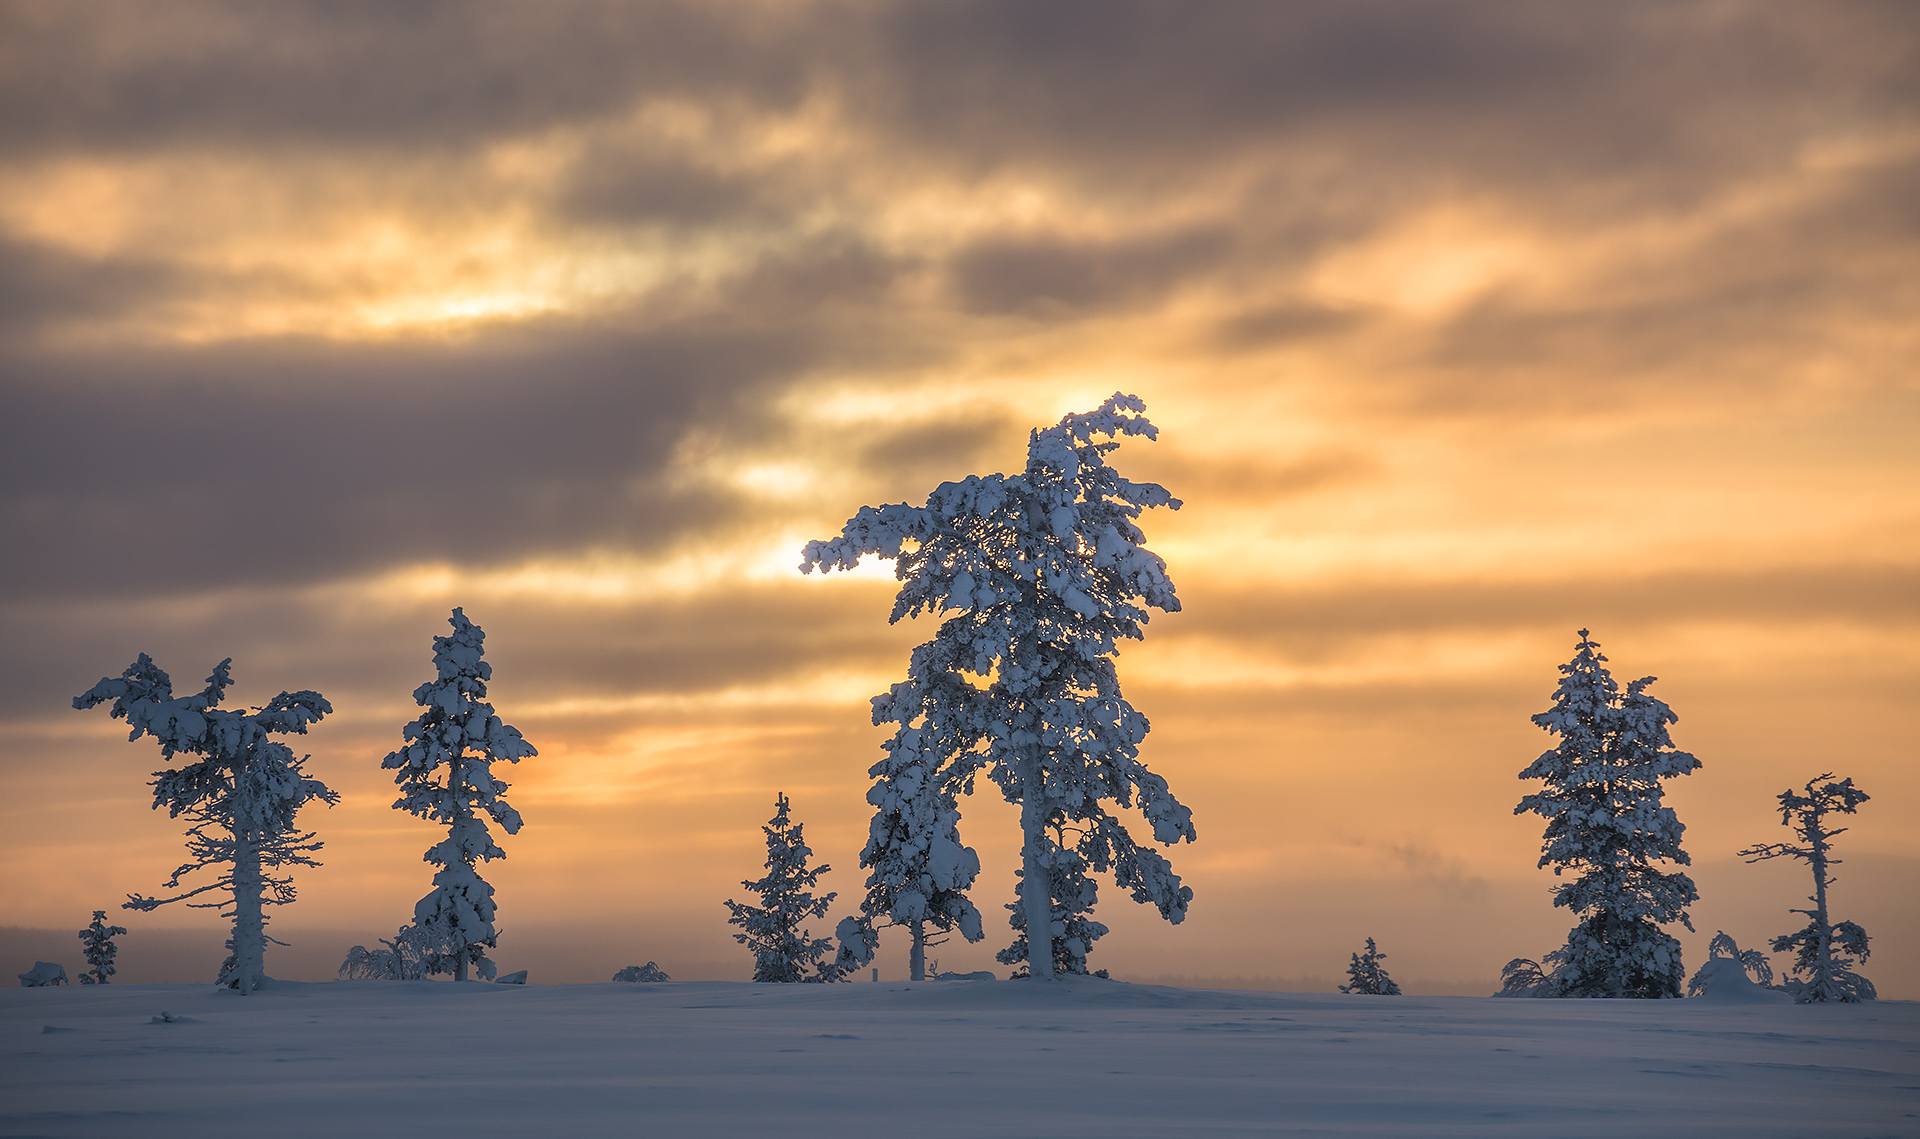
point(1368, 977)
point(784, 951)
point(96, 942)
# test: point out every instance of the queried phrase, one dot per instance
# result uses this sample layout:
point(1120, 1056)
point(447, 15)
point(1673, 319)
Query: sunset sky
point(1466, 326)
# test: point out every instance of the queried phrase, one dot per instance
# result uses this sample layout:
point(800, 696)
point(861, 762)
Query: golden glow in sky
point(587, 323)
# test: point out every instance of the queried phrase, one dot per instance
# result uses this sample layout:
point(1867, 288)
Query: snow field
point(1079, 1057)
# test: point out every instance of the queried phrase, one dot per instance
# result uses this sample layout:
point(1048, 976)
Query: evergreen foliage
point(1044, 575)
point(774, 931)
point(1753, 964)
point(96, 942)
point(458, 732)
point(1521, 977)
point(405, 958)
point(1824, 952)
point(241, 793)
point(642, 973)
point(1606, 825)
point(1368, 977)
point(919, 870)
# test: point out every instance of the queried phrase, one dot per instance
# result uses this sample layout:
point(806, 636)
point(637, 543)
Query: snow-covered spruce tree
point(773, 931)
point(920, 872)
point(96, 942)
point(1045, 575)
point(1825, 952)
point(1368, 976)
point(241, 792)
point(1606, 825)
point(459, 732)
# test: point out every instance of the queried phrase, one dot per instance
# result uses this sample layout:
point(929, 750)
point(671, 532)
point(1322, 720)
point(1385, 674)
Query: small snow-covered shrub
point(1368, 976)
point(1752, 964)
point(642, 973)
point(1521, 977)
point(44, 974)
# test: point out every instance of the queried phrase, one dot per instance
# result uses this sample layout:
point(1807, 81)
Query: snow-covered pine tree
point(96, 942)
point(1606, 824)
point(920, 871)
point(458, 731)
point(1046, 574)
point(1368, 976)
point(1825, 952)
point(773, 931)
point(241, 793)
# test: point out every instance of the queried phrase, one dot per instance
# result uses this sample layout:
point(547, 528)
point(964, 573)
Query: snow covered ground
point(973, 1058)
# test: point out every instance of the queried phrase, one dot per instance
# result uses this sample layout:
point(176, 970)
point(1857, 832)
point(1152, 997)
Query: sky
point(1465, 327)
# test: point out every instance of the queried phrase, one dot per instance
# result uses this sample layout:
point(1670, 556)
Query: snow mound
point(1723, 980)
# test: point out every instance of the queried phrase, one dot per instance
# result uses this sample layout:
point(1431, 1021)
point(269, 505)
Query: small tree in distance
point(458, 731)
point(1824, 952)
point(642, 973)
point(242, 793)
point(1606, 824)
point(1724, 958)
point(96, 942)
point(784, 951)
point(1368, 976)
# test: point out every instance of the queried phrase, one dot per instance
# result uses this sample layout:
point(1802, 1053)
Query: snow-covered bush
point(642, 973)
point(1824, 952)
point(241, 793)
point(406, 957)
point(1045, 576)
point(459, 732)
point(96, 942)
point(1606, 825)
point(1751, 963)
point(773, 931)
point(1368, 977)
point(1521, 977)
point(44, 974)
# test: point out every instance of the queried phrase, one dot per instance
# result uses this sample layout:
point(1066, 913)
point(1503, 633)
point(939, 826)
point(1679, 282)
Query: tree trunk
point(1823, 932)
point(1036, 891)
point(460, 968)
point(918, 959)
point(249, 925)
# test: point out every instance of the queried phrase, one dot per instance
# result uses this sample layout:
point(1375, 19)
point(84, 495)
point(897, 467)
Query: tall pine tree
point(1045, 576)
point(458, 732)
point(1824, 952)
point(241, 792)
point(774, 931)
point(1606, 826)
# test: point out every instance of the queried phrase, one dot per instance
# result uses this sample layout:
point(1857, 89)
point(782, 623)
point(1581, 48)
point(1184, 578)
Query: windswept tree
point(445, 775)
point(774, 931)
point(241, 791)
point(1367, 977)
point(1606, 826)
point(920, 871)
point(96, 942)
point(1824, 952)
point(1045, 575)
